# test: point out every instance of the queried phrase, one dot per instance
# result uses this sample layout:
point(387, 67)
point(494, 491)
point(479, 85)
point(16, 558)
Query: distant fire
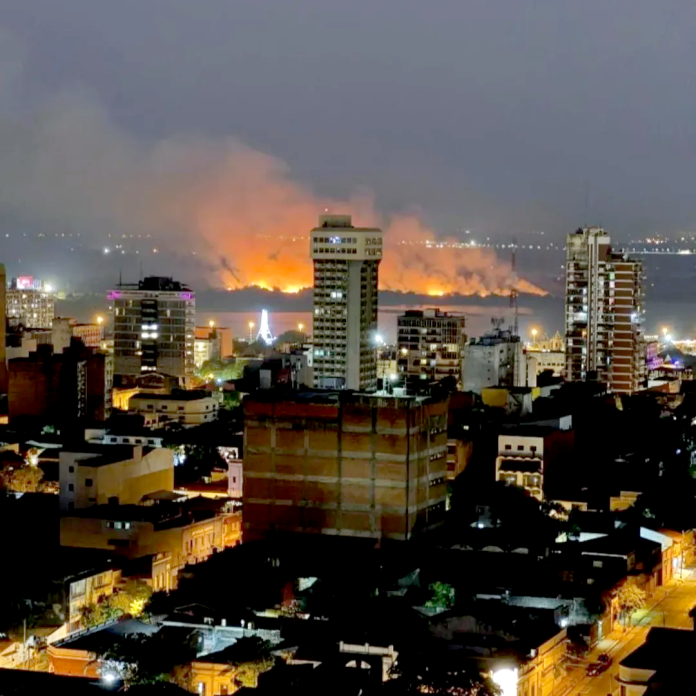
point(281, 262)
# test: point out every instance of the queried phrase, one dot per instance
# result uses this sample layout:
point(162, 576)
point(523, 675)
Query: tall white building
point(604, 313)
point(154, 329)
point(346, 262)
point(497, 359)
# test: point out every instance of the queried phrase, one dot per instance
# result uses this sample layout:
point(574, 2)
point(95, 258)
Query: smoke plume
point(66, 166)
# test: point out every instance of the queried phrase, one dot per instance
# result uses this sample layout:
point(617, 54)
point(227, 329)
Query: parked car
point(603, 663)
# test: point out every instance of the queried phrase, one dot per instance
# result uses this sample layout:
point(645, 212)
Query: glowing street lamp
point(534, 335)
point(211, 323)
point(251, 331)
point(100, 320)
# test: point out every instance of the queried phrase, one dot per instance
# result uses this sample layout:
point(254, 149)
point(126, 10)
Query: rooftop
point(156, 284)
point(105, 454)
point(177, 395)
point(664, 648)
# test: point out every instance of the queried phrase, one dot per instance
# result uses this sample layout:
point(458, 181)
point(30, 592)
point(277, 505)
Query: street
point(670, 608)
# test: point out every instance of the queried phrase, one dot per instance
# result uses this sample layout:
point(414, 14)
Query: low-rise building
point(116, 475)
point(661, 665)
point(188, 408)
point(169, 532)
point(526, 453)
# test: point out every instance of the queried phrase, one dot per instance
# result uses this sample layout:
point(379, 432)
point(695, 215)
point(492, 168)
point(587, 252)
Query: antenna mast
point(514, 329)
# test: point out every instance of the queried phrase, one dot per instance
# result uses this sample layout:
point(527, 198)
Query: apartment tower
point(346, 262)
point(430, 345)
point(154, 329)
point(604, 313)
point(3, 331)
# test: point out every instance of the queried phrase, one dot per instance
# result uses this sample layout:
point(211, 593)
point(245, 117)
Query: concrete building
point(662, 664)
point(29, 303)
point(167, 533)
point(346, 262)
point(49, 386)
point(497, 359)
point(431, 345)
point(604, 313)
point(212, 343)
point(100, 381)
point(3, 331)
point(344, 464)
point(528, 454)
point(188, 408)
point(62, 388)
point(154, 323)
point(112, 474)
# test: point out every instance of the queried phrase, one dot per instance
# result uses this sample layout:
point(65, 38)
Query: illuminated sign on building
point(28, 283)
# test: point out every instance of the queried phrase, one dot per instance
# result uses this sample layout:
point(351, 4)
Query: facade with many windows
point(154, 327)
point(346, 262)
point(431, 345)
point(604, 313)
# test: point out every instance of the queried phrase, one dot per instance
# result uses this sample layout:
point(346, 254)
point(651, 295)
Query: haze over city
point(347, 348)
point(498, 118)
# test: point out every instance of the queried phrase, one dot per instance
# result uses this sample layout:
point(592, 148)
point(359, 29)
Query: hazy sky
point(486, 114)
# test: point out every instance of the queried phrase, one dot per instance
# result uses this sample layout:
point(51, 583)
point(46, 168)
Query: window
point(88, 483)
point(520, 448)
point(508, 447)
point(223, 690)
point(71, 469)
point(533, 448)
point(597, 564)
point(71, 506)
point(71, 487)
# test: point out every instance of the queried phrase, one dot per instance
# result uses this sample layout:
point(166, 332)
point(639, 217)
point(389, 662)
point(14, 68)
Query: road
point(670, 609)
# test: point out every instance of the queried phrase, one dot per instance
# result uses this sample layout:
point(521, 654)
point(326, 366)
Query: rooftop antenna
point(514, 329)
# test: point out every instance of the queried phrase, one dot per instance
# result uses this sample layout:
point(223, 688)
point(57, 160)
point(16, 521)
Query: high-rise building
point(430, 345)
point(604, 313)
point(154, 328)
point(344, 463)
point(346, 262)
point(30, 302)
point(3, 331)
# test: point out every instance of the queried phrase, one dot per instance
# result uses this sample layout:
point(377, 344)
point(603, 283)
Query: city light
point(48, 287)
point(211, 323)
point(100, 320)
point(506, 679)
point(300, 326)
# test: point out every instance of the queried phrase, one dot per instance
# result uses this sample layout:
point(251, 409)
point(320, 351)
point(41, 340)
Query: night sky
point(498, 117)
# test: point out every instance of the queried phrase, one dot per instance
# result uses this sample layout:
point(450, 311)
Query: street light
point(251, 331)
point(100, 320)
point(211, 323)
point(300, 326)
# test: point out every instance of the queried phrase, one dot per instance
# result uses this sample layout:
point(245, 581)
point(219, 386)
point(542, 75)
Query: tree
point(101, 612)
point(221, 370)
point(443, 596)
point(132, 597)
point(435, 674)
point(142, 659)
point(631, 598)
point(248, 658)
